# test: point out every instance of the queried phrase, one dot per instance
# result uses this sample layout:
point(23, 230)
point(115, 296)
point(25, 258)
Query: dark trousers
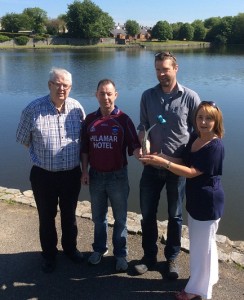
point(51, 189)
point(151, 184)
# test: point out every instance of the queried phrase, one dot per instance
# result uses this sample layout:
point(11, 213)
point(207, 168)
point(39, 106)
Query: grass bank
point(137, 44)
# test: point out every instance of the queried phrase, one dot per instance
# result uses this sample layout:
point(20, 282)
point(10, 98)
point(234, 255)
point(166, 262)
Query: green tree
point(210, 22)
point(186, 32)
point(212, 33)
point(227, 27)
point(199, 30)
point(221, 33)
point(238, 29)
point(14, 22)
point(220, 40)
point(162, 31)
point(176, 29)
point(87, 20)
point(132, 27)
point(37, 19)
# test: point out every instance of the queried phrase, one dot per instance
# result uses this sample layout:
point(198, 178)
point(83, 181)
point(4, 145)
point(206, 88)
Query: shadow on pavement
point(22, 278)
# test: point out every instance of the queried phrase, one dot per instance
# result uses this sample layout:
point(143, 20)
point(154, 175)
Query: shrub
point(38, 38)
point(22, 40)
point(4, 38)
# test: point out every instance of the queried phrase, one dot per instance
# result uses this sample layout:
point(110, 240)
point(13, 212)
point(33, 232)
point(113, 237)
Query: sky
point(145, 12)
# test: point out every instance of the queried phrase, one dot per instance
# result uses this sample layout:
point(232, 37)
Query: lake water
point(216, 75)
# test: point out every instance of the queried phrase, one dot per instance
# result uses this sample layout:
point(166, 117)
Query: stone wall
point(228, 250)
point(60, 41)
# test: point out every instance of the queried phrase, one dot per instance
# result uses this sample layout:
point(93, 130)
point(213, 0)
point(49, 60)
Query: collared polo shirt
point(178, 110)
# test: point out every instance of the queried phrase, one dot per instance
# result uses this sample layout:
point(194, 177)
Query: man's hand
point(137, 153)
point(85, 178)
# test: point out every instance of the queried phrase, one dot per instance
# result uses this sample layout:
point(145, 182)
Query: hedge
point(4, 38)
point(22, 40)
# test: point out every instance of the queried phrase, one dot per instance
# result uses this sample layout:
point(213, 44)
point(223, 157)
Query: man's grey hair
point(58, 71)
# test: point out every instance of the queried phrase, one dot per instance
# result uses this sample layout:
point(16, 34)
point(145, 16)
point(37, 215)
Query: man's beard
point(165, 82)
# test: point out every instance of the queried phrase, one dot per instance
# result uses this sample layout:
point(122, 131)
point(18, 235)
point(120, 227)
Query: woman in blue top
point(203, 160)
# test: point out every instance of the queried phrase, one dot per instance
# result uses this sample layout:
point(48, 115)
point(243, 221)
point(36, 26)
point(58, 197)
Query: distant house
point(118, 32)
point(145, 33)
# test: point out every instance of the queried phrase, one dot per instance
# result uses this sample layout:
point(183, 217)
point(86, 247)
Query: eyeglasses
point(59, 85)
point(162, 55)
point(210, 103)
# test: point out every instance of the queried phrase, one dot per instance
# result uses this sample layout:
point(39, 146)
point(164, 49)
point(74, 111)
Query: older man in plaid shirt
point(50, 127)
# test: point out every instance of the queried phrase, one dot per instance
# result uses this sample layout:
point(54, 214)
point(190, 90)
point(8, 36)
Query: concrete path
point(21, 277)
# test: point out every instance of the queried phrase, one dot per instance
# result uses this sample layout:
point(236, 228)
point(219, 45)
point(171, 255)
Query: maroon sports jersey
point(106, 140)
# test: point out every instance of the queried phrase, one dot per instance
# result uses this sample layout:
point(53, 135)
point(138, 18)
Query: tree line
point(88, 21)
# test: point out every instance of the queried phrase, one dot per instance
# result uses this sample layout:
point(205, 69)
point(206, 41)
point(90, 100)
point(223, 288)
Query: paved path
point(21, 277)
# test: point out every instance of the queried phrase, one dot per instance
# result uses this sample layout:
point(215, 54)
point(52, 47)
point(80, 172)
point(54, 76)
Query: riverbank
point(21, 277)
point(71, 43)
point(229, 251)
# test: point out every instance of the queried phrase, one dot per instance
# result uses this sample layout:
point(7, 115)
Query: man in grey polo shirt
point(175, 105)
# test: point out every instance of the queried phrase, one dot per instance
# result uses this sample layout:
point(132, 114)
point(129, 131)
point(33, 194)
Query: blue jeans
point(151, 185)
point(112, 186)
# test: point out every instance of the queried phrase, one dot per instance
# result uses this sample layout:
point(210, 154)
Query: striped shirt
point(53, 137)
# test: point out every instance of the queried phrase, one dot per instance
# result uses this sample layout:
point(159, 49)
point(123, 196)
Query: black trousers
point(51, 189)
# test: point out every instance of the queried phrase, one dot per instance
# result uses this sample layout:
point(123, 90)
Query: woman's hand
point(154, 160)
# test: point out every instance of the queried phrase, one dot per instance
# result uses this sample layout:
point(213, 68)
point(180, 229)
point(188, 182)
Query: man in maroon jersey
point(107, 135)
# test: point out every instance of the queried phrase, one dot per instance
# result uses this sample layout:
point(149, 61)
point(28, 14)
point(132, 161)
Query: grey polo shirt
point(177, 109)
